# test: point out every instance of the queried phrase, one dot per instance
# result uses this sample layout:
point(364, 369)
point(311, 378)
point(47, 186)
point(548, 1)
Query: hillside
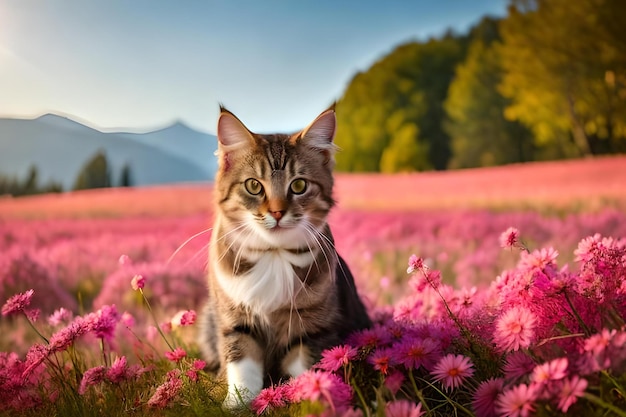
point(59, 147)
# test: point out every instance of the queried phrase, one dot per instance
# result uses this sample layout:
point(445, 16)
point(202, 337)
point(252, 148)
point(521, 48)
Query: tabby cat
point(279, 293)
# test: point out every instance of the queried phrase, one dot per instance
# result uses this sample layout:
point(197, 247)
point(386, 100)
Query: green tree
point(126, 178)
point(94, 174)
point(31, 183)
point(565, 72)
point(480, 134)
point(406, 87)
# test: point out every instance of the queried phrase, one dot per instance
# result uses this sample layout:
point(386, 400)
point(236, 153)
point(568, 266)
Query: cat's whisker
point(200, 252)
point(314, 233)
point(239, 254)
point(186, 242)
point(242, 226)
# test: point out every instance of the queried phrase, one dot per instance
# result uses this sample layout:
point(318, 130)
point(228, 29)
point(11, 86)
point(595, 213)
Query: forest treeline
point(548, 81)
point(95, 173)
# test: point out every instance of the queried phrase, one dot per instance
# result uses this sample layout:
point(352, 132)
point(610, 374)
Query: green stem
point(156, 322)
point(599, 401)
point(32, 326)
point(361, 397)
point(454, 404)
point(578, 318)
point(616, 384)
point(418, 392)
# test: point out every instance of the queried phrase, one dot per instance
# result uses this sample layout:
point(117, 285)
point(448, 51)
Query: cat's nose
point(277, 214)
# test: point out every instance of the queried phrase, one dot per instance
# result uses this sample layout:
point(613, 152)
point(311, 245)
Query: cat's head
point(277, 187)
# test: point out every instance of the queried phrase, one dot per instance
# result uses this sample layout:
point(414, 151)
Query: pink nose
point(277, 214)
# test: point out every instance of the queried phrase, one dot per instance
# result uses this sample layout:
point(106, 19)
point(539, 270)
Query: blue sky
point(142, 64)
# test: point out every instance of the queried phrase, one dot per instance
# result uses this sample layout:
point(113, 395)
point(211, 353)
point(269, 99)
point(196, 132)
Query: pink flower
point(183, 318)
point(381, 359)
point(322, 386)
point(104, 321)
point(60, 316)
point(91, 377)
point(167, 391)
point(188, 318)
point(32, 314)
point(515, 329)
point(570, 390)
point(62, 339)
point(403, 408)
point(509, 238)
point(484, 399)
point(268, 399)
point(176, 355)
point(550, 371)
point(138, 282)
point(34, 358)
point(517, 401)
point(539, 259)
point(198, 364)
point(413, 352)
point(517, 365)
point(370, 338)
point(118, 371)
point(337, 357)
point(17, 303)
point(452, 370)
point(393, 381)
point(587, 248)
point(415, 264)
point(127, 319)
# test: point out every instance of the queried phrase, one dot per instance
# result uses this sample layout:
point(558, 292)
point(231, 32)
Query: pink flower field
point(495, 292)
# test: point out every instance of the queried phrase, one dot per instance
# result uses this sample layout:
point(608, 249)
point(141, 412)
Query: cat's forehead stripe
point(276, 154)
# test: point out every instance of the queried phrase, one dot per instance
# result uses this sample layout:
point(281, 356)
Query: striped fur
point(278, 291)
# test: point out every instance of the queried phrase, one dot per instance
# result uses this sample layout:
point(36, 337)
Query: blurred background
point(118, 93)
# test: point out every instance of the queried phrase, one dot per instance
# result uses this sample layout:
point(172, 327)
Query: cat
point(279, 294)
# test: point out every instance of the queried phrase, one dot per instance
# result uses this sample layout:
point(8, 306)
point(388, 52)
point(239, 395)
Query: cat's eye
point(253, 186)
point(298, 186)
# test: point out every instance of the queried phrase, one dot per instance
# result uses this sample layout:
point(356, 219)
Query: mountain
point(59, 147)
point(182, 141)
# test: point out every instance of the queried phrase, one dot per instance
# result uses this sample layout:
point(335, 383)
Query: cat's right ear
point(231, 136)
point(231, 133)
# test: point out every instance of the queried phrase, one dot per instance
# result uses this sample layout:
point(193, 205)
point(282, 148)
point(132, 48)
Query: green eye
point(253, 186)
point(298, 186)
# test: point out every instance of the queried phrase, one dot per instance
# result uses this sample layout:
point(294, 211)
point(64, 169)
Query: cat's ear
point(320, 133)
point(231, 133)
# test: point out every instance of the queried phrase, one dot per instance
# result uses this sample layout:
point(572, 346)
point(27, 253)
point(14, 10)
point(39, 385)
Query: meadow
point(100, 291)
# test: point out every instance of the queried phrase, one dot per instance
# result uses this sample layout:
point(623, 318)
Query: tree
point(94, 174)
point(126, 179)
point(565, 73)
point(406, 87)
point(480, 134)
point(404, 153)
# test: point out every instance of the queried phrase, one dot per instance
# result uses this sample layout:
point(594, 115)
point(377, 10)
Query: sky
point(139, 65)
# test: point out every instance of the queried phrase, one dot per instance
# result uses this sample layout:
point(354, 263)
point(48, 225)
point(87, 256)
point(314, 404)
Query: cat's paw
point(237, 400)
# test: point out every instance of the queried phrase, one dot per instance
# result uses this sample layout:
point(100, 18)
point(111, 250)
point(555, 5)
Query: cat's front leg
point(244, 370)
point(298, 360)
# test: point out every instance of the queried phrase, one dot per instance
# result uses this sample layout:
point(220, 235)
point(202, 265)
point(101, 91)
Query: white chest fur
point(270, 284)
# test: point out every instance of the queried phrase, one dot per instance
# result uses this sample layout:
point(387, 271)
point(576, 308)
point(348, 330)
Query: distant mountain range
point(59, 147)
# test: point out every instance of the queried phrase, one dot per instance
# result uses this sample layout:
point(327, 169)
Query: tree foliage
point(480, 134)
point(399, 100)
point(547, 81)
point(94, 174)
point(565, 72)
point(12, 185)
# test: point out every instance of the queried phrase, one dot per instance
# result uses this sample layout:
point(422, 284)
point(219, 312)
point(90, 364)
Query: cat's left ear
point(320, 133)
